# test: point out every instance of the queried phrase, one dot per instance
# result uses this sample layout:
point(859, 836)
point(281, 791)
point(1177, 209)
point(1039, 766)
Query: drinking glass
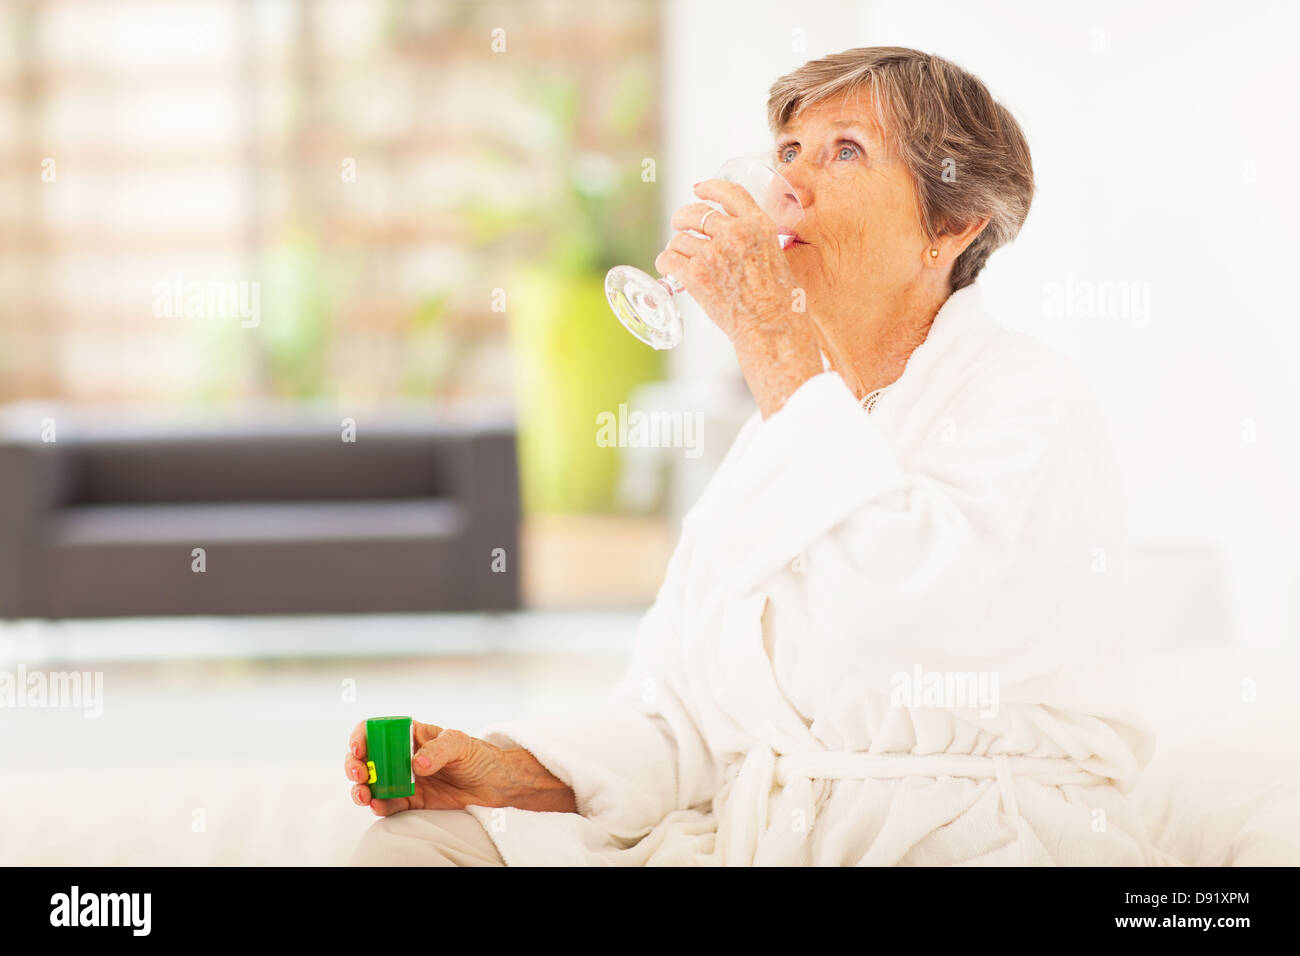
point(645, 305)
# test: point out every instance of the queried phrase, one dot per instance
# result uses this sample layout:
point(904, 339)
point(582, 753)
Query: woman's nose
point(797, 189)
point(798, 175)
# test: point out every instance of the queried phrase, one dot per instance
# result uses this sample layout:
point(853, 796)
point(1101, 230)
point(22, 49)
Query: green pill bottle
point(389, 744)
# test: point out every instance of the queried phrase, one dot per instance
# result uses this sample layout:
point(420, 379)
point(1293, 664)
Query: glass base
point(644, 306)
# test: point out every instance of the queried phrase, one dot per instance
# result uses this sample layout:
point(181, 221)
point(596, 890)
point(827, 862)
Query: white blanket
point(795, 696)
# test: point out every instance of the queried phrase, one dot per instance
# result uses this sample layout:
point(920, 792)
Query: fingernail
point(423, 762)
point(697, 183)
point(356, 751)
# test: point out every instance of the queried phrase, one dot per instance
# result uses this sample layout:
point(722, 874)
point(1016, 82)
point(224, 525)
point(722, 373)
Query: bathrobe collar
point(962, 314)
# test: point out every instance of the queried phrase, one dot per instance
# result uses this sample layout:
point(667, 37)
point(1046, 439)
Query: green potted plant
point(572, 358)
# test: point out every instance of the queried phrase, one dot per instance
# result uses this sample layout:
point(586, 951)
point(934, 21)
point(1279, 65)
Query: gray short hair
point(966, 154)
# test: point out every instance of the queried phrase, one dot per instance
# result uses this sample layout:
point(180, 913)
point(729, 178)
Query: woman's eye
point(851, 150)
point(787, 154)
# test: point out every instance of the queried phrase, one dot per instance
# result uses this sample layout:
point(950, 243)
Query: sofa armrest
point(34, 481)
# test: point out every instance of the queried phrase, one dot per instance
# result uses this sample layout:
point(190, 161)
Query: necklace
point(869, 400)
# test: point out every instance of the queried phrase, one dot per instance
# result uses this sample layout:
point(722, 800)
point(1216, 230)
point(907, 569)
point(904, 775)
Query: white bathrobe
point(796, 692)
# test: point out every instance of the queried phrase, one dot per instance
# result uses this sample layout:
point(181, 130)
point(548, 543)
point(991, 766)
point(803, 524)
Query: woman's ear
point(945, 250)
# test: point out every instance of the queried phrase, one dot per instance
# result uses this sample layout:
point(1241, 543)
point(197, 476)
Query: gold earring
point(934, 253)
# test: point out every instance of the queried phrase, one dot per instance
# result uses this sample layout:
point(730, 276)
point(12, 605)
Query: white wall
point(1164, 137)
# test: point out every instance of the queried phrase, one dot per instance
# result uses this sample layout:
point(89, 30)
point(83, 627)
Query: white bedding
point(1222, 789)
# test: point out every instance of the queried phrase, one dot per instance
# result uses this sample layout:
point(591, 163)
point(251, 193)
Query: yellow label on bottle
point(370, 765)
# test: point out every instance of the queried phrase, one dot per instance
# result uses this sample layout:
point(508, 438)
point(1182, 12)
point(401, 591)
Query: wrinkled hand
point(739, 275)
point(454, 770)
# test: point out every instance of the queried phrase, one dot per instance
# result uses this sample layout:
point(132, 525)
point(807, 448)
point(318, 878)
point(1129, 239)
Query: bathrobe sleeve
point(640, 755)
point(903, 556)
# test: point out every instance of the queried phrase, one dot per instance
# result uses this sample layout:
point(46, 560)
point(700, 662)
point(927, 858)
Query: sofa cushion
point(259, 558)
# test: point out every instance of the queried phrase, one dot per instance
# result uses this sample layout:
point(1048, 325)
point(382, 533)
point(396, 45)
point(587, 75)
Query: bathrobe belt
point(746, 816)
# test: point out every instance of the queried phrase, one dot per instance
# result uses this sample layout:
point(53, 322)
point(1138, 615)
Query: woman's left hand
point(739, 275)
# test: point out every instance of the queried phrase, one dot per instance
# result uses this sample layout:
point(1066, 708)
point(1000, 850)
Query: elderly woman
point(881, 637)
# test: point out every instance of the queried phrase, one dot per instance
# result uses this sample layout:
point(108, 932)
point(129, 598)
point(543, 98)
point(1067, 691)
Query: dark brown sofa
point(291, 519)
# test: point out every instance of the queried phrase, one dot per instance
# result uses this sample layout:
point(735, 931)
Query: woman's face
point(861, 235)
